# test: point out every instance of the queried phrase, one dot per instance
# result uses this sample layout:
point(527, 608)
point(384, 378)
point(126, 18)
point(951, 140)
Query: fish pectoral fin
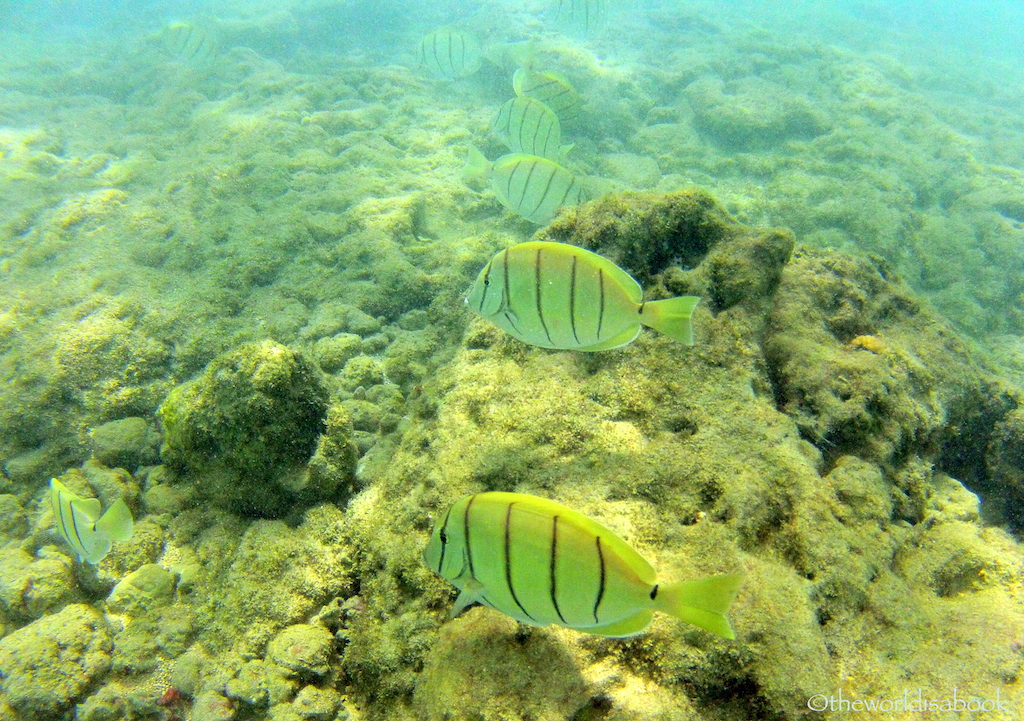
point(470, 596)
point(117, 522)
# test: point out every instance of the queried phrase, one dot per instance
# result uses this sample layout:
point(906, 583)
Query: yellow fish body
point(543, 563)
point(451, 54)
point(530, 127)
point(528, 185)
point(556, 295)
point(79, 521)
point(550, 88)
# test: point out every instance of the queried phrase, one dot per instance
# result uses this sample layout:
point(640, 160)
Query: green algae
point(250, 420)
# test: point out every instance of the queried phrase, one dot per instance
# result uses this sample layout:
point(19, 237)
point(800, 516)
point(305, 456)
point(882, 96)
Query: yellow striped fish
point(451, 54)
point(79, 521)
point(550, 88)
point(189, 44)
point(528, 185)
point(529, 126)
point(542, 563)
point(556, 295)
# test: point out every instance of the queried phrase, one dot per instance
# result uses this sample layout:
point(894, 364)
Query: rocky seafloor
point(233, 296)
point(815, 438)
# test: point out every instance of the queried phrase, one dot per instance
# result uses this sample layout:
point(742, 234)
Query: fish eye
point(487, 281)
point(444, 536)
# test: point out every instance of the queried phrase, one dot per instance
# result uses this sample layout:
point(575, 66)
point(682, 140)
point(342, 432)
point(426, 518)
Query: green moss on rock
point(253, 417)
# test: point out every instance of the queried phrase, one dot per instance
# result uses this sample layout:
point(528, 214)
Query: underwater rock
point(752, 112)
point(261, 683)
point(31, 587)
point(682, 243)
point(303, 649)
point(212, 706)
point(316, 704)
point(13, 518)
point(127, 443)
point(362, 371)
point(151, 586)
point(486, 666)
point(50, 663)
point(251, 420)
point(334, 352)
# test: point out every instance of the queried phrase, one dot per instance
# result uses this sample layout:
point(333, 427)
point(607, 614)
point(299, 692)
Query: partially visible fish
point(529, 126)
point(450, 54)
point(550, 88)
point(79, 521)
point(583, 17)
point(528, 185)
point(556, 295)
point(189, 44)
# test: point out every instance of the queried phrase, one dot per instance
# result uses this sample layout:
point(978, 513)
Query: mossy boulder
point(247, 426)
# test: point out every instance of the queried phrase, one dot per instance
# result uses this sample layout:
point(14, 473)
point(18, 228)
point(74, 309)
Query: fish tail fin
point(117, 522)
point(702, 602)
point(671, 317)
point(477, 166)
point(563, 152)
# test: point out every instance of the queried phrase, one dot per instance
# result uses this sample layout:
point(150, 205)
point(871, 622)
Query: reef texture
point(823, 467)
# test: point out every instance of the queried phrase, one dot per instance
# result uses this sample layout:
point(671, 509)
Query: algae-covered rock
point(31, 587)
point(304, 649)
point(49, 664)
point(251, 420)
point(126, 443)
point(148, 587)
point(484, 666)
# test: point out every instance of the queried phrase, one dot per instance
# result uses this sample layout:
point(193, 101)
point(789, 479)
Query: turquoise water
point(235, 239)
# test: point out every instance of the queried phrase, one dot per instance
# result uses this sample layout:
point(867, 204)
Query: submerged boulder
point(248, 426)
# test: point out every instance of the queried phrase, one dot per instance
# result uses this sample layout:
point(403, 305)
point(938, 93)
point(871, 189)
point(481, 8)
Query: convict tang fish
point(543, 563)
point(79, 521)
point(556, 295)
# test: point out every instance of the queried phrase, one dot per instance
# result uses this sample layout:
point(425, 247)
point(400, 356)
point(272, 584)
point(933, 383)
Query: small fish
point(585, 17)
point(542, 563)
point(550, 88)
point(451, 54)
point(529, 126)
point(79, 521)
point(528, 185)
point(556, 295)
point(189, 44)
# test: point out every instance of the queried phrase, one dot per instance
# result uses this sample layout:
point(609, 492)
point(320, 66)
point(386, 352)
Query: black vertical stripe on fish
point(444, 540)
point(522, 123)
point(572, 303)
point(462, 54)
point(600, 588)
point(526, 184)
point(654, 592)
point(547, 189)
point(568, 189)
point(507, 298)
point(74, 527)
point(487, 287)
point(508, 561)
point(465, 533)
point(540, 308)
point(600, 304)
point(553, 568)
